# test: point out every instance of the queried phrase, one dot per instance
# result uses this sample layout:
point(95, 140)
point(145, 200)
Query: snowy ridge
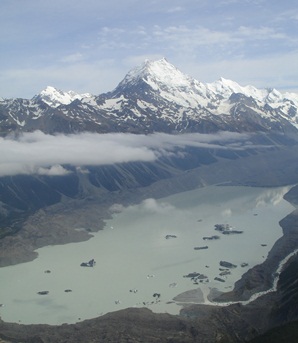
point(161, 72)
point(186, 91)
point(155, 96)
point(226, 88)
point(55, 97)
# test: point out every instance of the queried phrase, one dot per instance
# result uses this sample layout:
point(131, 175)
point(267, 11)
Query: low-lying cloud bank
point(39, 153)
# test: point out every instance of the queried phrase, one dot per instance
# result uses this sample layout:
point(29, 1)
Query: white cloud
point(272, 197)
point(55, 170)
point(33, 152)
point(227, 213)
point(116, 208)
point(73, 58)
point(151, 205)
point(38, 153)
point(82, 170)
point(175, 9)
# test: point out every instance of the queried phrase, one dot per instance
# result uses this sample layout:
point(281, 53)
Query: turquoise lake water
point(135, 260)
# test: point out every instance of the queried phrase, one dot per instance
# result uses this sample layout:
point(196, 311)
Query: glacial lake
point(143, 255)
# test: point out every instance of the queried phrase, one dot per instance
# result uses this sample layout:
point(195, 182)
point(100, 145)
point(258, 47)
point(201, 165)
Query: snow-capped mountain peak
point(167, 81)
point(164, 82)
point(156, 96)
point(55, 97)
point(160, 71)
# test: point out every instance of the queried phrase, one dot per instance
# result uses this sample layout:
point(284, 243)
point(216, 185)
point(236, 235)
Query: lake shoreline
point(260, 278)
point(160, 236)
point(59, 223)
point(26, 244)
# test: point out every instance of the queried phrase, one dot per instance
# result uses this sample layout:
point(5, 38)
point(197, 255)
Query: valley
point(165, 134)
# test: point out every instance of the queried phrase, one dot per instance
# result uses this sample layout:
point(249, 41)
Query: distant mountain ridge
point(154, 97)
point(55, 97)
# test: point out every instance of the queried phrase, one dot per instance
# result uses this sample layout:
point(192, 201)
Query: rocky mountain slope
point(154, 97)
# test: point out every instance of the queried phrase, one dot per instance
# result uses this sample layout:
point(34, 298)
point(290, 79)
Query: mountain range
point(39, 208)
point(154, 97)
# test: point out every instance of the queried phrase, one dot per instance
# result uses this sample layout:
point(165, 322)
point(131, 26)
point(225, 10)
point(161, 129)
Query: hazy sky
point(89, 46)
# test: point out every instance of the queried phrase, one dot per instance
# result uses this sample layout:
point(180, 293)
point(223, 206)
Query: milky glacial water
point(134, 260)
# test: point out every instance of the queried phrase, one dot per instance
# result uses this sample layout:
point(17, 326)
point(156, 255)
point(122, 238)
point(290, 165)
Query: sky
point(90, 45)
